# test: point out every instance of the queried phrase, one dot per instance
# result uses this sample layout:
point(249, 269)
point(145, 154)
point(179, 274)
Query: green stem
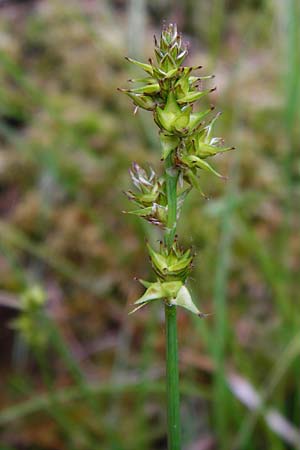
point(171, 184)
point(172, 374)
point(173, 409)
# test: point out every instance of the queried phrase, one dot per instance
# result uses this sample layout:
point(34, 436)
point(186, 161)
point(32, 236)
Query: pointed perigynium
point(170, 90)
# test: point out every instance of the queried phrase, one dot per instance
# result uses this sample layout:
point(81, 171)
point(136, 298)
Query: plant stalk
point(172, 373)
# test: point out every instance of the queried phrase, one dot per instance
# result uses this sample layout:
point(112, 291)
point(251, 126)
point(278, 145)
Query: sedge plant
point(170, 90)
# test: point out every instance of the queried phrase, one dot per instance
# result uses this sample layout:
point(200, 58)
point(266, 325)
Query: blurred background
point(76, 371)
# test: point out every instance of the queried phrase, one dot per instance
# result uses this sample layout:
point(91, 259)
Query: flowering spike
point(170, 90)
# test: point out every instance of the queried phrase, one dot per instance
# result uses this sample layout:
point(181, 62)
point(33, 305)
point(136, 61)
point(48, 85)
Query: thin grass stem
point(172, 372)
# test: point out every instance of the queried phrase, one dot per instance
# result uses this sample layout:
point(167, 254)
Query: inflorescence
point(170, 91)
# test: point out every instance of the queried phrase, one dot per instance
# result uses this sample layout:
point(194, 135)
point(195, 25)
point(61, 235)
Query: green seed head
point(149, 188)
point(33, 298)
point(173, 264)
point(170, 90)
point(170, 51)
point(149, 195)
point(30, 321)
